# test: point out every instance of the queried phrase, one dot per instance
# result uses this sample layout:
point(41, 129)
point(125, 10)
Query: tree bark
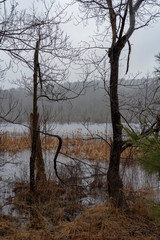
point(38, 177)
point(40, 166)
point(115, 185)
point(34, 123)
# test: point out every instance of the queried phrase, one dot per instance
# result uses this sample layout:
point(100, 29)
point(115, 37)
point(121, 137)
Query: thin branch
point(128, 59)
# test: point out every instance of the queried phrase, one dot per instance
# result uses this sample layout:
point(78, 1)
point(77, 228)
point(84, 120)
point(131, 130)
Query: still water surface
point(15, 167)
point(63, 129)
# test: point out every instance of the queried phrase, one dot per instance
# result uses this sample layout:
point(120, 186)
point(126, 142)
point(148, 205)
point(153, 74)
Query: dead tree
point(49, 62)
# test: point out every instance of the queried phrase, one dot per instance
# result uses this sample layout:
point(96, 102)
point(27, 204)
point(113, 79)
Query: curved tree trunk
point(115, 185)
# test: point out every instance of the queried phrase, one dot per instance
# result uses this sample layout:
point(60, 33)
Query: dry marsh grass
point(105, 222)
point(56, 212)
point(75, 145)
point(49, 217)
point(98, 223)
point(14, 142)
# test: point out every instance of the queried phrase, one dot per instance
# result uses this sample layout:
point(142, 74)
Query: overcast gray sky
point(145, 45)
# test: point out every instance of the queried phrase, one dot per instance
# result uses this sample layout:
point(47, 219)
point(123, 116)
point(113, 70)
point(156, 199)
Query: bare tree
point(140, 103)
point(120, 18)
point(37, 45)
point(7, 104)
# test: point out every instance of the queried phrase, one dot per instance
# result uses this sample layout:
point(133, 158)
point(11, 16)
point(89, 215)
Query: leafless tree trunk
point(55, 55)
point(124, 17)
point(36, 158)
point(115, 184)
point(34, 121)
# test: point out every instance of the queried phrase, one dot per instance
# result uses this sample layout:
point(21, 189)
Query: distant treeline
point(138, 100)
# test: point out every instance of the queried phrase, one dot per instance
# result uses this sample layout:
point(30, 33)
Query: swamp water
point(90, 176)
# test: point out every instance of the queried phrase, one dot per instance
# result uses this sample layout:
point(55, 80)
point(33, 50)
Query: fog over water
point(138, 101)
point(67, 129)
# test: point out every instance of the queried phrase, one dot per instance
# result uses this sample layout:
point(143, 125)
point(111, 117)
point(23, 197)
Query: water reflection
point(15, 168)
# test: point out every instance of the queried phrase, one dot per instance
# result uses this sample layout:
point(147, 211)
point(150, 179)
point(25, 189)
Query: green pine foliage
point(150, 153)
point(154, 208)
point(148, 145)
point(149, 157)
point(149, 149)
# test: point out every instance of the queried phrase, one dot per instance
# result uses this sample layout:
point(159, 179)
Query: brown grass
point(10, 229)
point(105, 222)
point(77, 146)
point(98, 223)
point(49, 217)
point(14, 142)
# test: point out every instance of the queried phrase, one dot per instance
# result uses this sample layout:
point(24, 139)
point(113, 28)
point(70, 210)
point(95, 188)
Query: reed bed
point(76, 145)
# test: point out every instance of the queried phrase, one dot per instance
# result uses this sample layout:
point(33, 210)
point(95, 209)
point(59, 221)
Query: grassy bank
point(98, 223)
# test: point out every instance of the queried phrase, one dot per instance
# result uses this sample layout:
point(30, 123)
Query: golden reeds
point(75, 145)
